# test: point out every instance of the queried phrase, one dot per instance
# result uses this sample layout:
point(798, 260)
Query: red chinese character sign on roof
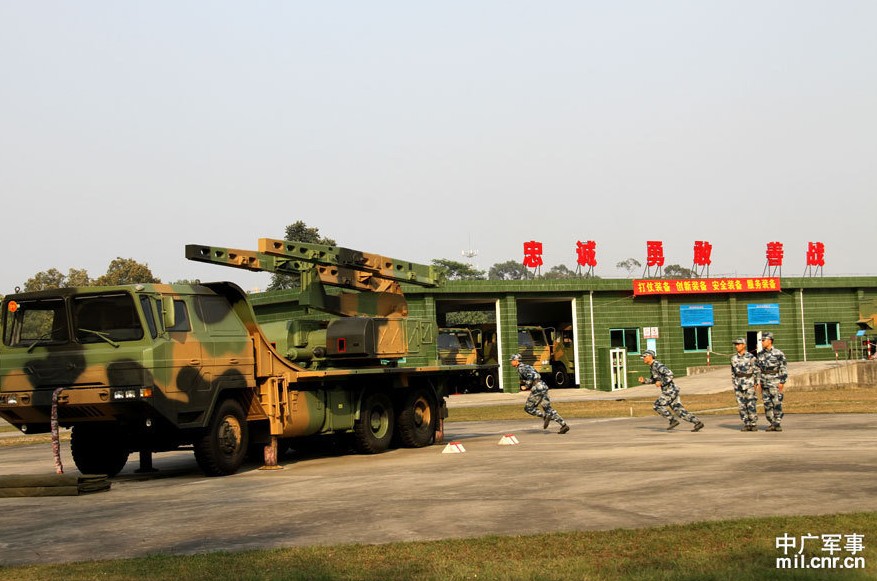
point(654, 258)
point(774, 264)
point(702, 252)
point(702, 257)
point(586, 255)
point(815, 258)
point(533, 255)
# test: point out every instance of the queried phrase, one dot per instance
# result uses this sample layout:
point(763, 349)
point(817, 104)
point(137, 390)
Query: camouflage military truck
point(552, 359)
point(152, 367)
point(456, 346)
point(533, 346)
point(562, 366)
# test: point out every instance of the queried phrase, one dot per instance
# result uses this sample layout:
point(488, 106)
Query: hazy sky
point(420, 129)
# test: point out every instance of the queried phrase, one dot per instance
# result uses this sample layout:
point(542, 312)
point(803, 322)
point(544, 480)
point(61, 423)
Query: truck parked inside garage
point(457, 346)
point(547, 349)
point(562, 357)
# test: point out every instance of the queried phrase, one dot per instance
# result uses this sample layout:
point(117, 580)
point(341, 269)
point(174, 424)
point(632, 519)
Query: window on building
point(627, 338)
point(826, 333)
point(696, 338)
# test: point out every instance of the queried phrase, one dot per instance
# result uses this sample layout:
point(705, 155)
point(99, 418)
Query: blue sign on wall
point(768, 314)
point(696, 315)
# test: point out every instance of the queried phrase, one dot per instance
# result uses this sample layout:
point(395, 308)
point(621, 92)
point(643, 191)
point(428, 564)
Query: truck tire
point(223, 447)
point(99, 449)
point(491, 381)
point(560, 376)
point(416, 418)
point(373, 431)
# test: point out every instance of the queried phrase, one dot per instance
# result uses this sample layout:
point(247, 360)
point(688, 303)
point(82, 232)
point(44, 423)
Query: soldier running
point(774, 374)
point(744, 374)
point(530, 379)
point(669, 400)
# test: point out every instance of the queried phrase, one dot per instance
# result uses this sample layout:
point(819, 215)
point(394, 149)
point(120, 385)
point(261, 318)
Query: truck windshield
point(532, 337)
point(447, 340)
point(108, 318)
point(465, 340)
point(35, 322)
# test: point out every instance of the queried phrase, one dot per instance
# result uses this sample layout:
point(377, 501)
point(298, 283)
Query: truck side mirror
point(168, 315)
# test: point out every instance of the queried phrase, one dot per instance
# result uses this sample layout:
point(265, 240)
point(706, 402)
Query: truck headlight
point(131, 393)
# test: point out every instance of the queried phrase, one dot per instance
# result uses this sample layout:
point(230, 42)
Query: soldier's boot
point(563, 429)
point(697, 427)
point(545, 422)
point(777, 428)
point(771, 428)
point(752, 428)
point(673, 423)
point(745, 429)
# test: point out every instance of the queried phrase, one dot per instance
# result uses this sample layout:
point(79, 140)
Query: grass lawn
point(726, 550)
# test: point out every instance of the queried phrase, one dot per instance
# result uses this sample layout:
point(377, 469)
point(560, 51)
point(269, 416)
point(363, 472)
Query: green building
point(688, 323)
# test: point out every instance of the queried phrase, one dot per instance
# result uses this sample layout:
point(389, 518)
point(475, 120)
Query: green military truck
point(152, 367)
point(547, 349)
point(562, 366)
point(457, 346)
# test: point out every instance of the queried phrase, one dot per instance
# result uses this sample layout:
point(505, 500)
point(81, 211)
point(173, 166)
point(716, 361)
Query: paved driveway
point(605, 473)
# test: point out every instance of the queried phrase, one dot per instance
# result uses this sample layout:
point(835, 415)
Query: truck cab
point(128, 367)
point(562, 366)
point(459, 346)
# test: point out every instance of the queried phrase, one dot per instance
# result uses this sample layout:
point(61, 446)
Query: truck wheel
point(99, 449)
point(373, 431)
point(223, 447)
point(416, 419)
point(561, 377)
point(491, 381)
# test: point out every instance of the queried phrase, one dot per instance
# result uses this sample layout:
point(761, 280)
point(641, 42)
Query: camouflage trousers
point(773, 400)
point(744, 389)
point(539, 396)
point(669, 400)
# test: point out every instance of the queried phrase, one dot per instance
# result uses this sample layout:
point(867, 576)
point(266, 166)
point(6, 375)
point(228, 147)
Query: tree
point(126, 271)
point(677, 271)
point(53, 278)
point(559, 271)
point(629, 265)
point(453, 270)
point(510, 270)
point(463, 318)
point(78, 277)
point(297, 232)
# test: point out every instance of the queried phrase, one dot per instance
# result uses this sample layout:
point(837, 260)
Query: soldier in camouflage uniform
point(744, 373)
point(669, 398)
point(773, 375)
point(530, 379)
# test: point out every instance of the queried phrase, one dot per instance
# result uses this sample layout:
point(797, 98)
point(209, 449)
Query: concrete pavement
point(603, 474)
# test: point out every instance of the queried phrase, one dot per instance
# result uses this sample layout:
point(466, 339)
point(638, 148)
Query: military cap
point(766, 335)
point(516, 357)
point(739, 340)
point(648, 352)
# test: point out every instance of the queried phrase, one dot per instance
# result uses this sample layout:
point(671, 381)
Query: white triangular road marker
point(454, 448)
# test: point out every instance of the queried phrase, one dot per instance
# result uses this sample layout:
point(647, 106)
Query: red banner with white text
point(694, 286)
